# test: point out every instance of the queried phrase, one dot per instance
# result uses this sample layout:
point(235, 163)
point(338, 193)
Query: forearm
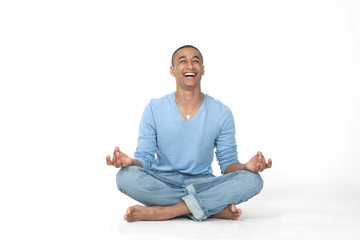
point(234, 167)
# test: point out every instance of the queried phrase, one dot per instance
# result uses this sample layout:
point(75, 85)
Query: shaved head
point(186, 46)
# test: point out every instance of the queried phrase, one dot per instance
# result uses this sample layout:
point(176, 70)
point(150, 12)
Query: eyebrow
point(193, 57)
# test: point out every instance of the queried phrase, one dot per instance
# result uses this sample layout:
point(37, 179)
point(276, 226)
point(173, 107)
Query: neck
point(188, 99)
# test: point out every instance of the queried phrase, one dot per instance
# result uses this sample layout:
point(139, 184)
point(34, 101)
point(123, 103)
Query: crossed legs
point(166, 199)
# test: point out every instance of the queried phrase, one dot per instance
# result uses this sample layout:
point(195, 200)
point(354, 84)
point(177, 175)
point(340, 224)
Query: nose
point(189, 65)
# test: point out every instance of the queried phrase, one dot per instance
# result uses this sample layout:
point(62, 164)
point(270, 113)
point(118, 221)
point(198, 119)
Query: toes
point(237, 214)
point(129, 210)
point(128, 216)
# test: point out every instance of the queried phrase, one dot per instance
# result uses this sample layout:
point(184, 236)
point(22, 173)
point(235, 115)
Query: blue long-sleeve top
point(167, 142)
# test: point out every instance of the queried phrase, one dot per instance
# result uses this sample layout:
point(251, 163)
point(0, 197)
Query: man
point(182, 129)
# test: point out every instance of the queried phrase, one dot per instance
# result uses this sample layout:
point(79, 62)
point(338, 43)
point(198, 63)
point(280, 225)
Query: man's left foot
point(230, 212)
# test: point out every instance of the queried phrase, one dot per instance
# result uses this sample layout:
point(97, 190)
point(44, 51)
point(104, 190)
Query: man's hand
point(258, 163)
point(119, 159)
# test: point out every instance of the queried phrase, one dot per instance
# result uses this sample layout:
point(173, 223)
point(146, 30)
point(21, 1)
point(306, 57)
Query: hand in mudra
point(257, 163)
point(119, 159)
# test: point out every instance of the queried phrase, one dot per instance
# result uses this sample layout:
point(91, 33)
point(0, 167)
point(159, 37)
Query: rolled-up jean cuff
point(192, 202)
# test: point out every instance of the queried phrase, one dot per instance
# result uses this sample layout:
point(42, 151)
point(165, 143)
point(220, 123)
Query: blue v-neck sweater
point(167, 142)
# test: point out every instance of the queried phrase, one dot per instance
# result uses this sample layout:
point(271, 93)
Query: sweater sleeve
point(225, 143)
point(147, 143)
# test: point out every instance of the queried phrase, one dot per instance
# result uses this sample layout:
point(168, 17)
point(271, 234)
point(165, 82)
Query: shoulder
point(220, 113)
point(215, 105)
point(159, 106)
point(161, 101)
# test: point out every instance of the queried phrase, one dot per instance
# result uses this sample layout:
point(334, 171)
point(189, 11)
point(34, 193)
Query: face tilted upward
point(188, 68)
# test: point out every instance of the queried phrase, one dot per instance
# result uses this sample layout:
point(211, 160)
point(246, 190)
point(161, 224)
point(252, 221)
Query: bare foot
point(156, 213)
point(139, 213)
point(230, 212)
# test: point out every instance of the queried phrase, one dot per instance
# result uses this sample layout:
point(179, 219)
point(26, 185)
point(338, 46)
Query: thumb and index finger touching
point(263, 161)
point(113, 160)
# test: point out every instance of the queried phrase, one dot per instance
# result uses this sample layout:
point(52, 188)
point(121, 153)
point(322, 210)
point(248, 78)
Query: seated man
point(171, 170)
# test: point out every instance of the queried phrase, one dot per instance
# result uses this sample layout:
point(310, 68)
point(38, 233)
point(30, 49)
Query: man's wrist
point(234, 167)
point(136, 162)
point(245, 167)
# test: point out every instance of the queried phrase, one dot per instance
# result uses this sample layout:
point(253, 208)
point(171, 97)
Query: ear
point(203, 70)
point(172, 71)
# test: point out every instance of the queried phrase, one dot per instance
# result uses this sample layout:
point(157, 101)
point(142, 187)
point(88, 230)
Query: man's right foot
point(141, 213)
point(155, 213)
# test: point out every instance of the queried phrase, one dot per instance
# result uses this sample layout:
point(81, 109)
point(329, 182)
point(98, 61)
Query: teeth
point(189, 74)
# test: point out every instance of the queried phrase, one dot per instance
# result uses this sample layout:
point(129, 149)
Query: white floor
point(314, 211)
point(72, 210)
point(298, 212)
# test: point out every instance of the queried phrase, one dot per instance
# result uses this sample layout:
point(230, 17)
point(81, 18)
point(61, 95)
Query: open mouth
point(189, 75)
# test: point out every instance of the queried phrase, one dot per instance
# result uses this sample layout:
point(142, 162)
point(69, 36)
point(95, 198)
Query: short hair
point(186, 46)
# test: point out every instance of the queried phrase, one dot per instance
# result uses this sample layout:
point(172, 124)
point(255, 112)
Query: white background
point(76, 76)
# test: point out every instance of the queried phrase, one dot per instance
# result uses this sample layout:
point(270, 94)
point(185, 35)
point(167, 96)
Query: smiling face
point(187, 68)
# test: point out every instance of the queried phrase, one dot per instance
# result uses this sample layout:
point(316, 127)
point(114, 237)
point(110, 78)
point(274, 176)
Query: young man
point(171, 170)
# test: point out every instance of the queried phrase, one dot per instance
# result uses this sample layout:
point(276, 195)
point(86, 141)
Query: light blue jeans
point(204, 195)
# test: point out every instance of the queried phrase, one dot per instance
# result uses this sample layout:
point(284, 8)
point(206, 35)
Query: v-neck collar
point(179, 115)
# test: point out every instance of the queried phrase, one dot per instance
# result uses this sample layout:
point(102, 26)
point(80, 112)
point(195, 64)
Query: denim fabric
point(204, 195)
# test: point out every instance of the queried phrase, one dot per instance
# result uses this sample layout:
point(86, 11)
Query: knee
point(253, 181)
point(126, 176)
point(257, 182)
